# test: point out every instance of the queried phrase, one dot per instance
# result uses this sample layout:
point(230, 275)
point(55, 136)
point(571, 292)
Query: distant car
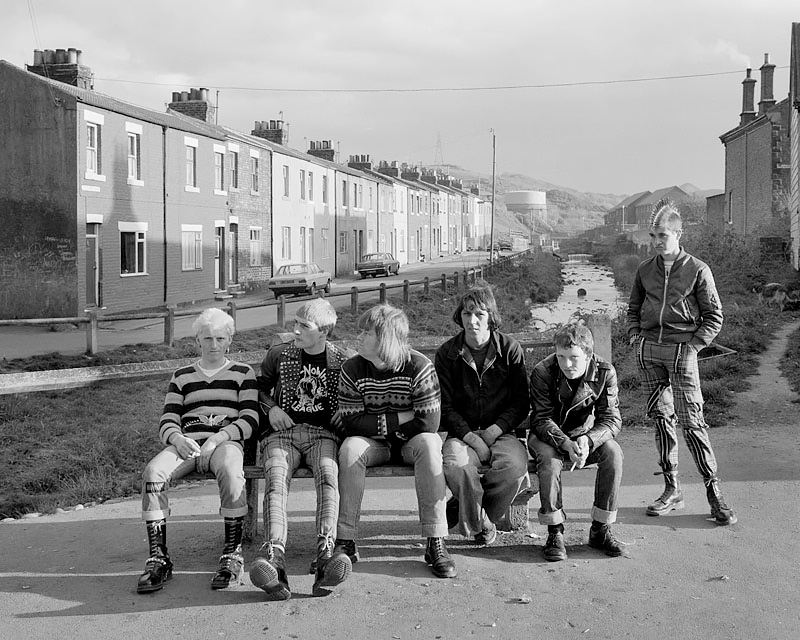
point(373, 264)
point(299, 278)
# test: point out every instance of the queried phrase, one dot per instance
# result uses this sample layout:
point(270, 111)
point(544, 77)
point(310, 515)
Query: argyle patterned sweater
point(371, 398)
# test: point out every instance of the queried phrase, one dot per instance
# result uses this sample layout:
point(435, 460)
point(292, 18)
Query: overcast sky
point(419, 80)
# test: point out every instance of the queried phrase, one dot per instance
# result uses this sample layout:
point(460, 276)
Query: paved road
point(73, 575)
point(22, 342)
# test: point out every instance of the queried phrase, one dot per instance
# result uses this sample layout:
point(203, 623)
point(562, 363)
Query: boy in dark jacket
point(484, 399)
point(575, 418)
point(675, 311)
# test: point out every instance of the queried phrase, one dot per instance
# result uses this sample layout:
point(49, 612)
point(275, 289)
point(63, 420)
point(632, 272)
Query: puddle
point(588, 288)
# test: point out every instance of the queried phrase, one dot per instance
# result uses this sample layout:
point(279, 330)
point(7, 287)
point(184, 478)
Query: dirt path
point(72, 575)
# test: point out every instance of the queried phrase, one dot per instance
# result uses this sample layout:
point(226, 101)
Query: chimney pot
point(176, 96)
point(38, 57)
point(72, 55)
point(61, 56)
point(184, 96)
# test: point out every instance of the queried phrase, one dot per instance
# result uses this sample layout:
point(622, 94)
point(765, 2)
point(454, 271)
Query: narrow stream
point(588, 288)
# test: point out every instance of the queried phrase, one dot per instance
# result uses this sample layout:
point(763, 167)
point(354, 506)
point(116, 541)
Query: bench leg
point(516, 518)
point(251, 519)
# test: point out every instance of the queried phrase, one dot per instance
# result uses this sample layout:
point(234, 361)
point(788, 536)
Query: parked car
point(372, 264)
point(299, 278)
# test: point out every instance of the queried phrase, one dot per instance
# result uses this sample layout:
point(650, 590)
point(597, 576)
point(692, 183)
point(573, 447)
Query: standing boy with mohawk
point(674, 311)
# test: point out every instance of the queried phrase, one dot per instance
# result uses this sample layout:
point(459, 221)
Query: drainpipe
point(164, 204)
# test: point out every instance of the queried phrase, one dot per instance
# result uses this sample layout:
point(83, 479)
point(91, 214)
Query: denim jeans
point(226, 466)
point(491, 493)
point(423, 451)
point(551, 461)
point(282, 453)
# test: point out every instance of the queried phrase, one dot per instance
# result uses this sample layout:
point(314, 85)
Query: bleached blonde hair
point(391, 330)
point(666, 214)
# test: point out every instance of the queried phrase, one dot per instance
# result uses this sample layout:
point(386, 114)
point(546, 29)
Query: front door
point(219, 262)
point(92, 266)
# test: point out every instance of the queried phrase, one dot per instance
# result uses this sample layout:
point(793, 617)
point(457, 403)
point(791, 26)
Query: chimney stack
point(276, 131)
point(767, 98)
point(410, 172)
point(389, 169)
point(362, 163)
point(322, 149)
point(193, 103)
point(748, 97)
point(63, 65)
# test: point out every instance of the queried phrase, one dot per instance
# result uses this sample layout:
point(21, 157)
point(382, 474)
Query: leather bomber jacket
point(684, 307)
point(558, 414)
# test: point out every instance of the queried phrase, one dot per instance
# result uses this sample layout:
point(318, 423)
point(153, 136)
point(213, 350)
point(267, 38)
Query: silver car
point(299, 278)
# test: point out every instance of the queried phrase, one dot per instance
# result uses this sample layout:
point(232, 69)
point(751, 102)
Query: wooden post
point(281, 311)
point(600, 326)
point(455, 280)
point(466, 279)
point(382, 294)
point(405, 291)
point(169, 326)
point(426, 286)
point(232, 310)
point(444, 283)
point(91, 332)
point(354, 300)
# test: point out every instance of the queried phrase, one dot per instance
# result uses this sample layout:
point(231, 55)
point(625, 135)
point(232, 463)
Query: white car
point(299, 278)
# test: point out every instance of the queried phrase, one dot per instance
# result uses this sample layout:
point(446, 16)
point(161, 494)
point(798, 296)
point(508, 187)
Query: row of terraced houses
point(112, 206)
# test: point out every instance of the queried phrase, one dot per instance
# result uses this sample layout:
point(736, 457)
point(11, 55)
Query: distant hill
point(568, 210)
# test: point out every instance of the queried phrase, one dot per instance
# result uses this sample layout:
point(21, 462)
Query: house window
point(323, 240)
point(342, 242)
point(402, 247)
point(311, 252)
point(219, 170)
point(191, 247)
point(355, 196)
point(254, 173)
point(286, 181)
point(344, 193)
point(93, 148)
point(132, 252)
point(255, 246)
point(310, 186)
point(360, 197)
point(303, 253)
point(324, 189)
point(134, 156)
point(302, 184)
point(191, 166)
point(286, 243)
point(234, 182)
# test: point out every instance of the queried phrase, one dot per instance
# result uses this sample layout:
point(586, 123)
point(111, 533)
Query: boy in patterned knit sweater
point(210, 409)
point(390, 404)
point(297, 391)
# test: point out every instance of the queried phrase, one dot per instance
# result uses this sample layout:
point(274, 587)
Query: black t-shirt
point(311, 403)
point(479, 356)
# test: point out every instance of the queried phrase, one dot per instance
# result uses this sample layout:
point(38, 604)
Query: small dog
point(775, 293)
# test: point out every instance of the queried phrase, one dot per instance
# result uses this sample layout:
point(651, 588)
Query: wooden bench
point(515, 519)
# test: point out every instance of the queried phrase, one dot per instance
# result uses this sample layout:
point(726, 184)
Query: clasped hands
point(481, 441)
point(188, 448)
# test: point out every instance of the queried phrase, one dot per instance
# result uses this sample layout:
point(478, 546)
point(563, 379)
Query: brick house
point(622, 217)
point(103, 204)
point(757, 156)
point(794, 128)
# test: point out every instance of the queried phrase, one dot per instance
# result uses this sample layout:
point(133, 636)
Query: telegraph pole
point(494, 171)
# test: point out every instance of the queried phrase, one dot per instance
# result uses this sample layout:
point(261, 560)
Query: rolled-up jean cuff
point(158, 514)
point(434, 530)
point(237, 512)
point(606, 517)
point(555, 517)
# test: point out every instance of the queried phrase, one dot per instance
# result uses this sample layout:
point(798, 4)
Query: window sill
point(190, 189)
point(220, 192)
point(97, 177)
point(133, 275)
point(135, 183)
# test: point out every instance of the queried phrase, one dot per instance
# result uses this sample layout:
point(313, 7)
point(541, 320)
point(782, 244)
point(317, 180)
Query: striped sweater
point(371, 398)
point(226, 401)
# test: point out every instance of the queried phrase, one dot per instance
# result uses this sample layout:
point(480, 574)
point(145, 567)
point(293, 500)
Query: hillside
point(568, 210)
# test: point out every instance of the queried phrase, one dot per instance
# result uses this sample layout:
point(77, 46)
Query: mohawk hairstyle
point(665, 213)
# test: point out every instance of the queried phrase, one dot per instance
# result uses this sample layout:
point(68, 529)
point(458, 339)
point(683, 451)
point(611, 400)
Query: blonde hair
point(320, 312)
point(213, 317)
point(391, 330)
point(666, 214)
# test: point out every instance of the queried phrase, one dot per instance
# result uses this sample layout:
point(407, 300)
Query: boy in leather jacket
point(575, 418)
